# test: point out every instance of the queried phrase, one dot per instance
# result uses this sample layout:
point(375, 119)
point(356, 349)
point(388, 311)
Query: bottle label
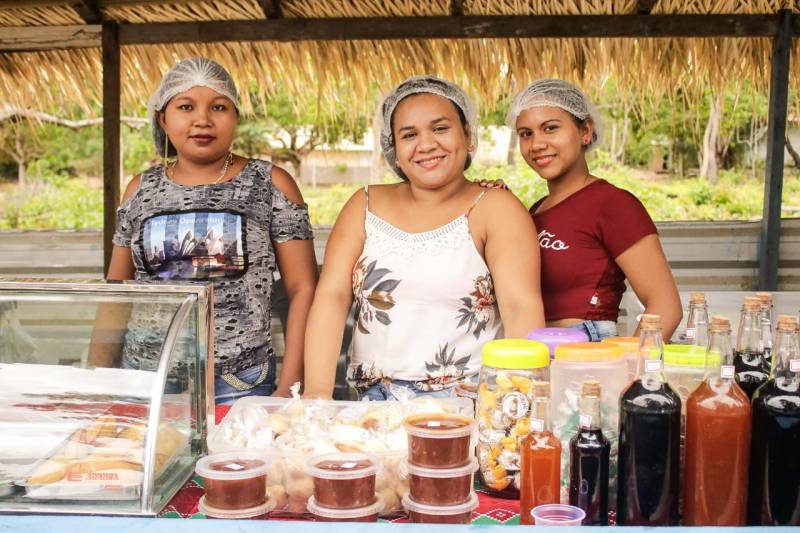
point(537, 424)
point(652, 365)
point(727, 371)
point(794, 365)
point(690, 333)
point(515, 405)
point(585, 421)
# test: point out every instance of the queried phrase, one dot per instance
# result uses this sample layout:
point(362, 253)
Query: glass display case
point(105, 393)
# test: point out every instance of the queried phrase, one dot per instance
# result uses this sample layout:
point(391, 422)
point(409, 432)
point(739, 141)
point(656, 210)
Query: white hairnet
point(555, 93)
point(417, 85)
point(189, 73)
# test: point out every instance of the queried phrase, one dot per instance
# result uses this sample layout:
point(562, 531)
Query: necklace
point(228, 161)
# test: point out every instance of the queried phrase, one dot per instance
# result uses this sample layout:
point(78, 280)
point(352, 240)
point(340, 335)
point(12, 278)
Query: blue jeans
point(382, 391)
point(597, 330)
point(225, 393)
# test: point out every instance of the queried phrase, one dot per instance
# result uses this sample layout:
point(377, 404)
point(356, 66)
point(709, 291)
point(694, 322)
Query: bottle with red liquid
point(540, 458)
point(750, 359)
point(774, 496)
point(589, 452)
point(717, 440)
point(648, 484)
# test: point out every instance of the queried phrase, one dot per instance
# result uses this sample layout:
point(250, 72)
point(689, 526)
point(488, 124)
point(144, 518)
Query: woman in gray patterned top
point(212, 216)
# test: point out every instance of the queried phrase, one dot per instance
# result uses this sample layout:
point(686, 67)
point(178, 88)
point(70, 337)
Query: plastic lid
point(344, 514)
point(348, 463)
point(628, 344)
point(553, 337)
point(470, 468)
point(436, 430)
point(468, 507)
point(204, 469)
point(591, 352)
point(515, 354)
point(250, 512)
point(686, 355)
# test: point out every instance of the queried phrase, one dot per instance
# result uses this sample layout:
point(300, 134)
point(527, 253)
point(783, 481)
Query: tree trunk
point(512, 148)
point(708, 167)
point(792, 152)
point(20, 158)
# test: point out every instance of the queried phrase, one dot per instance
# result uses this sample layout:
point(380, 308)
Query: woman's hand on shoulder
point(492, 184)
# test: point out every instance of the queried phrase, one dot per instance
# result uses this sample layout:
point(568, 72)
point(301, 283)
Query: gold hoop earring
point(166, 149)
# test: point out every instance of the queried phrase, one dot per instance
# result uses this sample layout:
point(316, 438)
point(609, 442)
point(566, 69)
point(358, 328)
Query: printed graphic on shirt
point(478, 309)
point(549, 241)
point(444, 369)
point(373, 294)
point(194, 245)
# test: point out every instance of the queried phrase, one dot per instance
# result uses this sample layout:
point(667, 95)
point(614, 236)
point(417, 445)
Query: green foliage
point(70, 205)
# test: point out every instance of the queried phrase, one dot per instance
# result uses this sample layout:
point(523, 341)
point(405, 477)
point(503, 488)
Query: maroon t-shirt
point(579, 240)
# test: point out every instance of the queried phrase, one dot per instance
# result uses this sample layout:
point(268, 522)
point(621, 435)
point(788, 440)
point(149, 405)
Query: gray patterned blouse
point(220, 233)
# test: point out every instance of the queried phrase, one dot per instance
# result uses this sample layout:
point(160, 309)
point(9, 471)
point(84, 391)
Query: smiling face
point(552, 142)
point(430, 140)
point(200, 124)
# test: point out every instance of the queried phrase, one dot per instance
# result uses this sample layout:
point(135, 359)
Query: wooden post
point(776, 132)
point(111, 135)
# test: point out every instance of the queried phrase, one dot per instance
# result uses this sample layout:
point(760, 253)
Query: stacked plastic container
point(344, 487)
point(236, 485)
point(574, 364)
point(554, 337)
point(441, 464)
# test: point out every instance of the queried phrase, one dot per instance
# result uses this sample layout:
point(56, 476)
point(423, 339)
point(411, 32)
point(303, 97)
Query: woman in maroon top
point(592, 235)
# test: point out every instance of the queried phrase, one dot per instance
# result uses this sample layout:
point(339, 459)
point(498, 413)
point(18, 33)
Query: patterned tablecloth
point(491, 510)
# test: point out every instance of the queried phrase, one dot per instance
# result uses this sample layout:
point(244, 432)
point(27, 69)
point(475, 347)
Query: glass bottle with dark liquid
point(750, 360)
point(589, 452)
point(774, 496)
point(649, 439)
point(717, 440)
point(540, 458)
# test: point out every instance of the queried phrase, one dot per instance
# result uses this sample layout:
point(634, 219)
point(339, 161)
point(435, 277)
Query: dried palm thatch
point(647, 69)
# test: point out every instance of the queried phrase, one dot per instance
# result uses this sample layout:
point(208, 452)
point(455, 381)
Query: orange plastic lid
point(588, 352)
point(628, 344)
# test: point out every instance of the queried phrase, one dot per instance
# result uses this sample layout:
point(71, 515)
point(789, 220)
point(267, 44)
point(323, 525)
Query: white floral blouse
point(425, 306)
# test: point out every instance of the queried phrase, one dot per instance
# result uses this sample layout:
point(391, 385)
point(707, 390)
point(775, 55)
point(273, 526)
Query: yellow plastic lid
point(515, 354)
point(686, 355)
point(588, 352)
point(628, 344)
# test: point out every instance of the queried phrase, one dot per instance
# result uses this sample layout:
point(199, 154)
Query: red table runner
point(490, 510)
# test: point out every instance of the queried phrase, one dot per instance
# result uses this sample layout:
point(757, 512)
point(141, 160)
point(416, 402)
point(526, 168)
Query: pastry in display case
point(105, 393)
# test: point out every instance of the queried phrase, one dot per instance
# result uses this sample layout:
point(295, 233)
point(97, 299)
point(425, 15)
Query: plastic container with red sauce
point(440, 514)
point(439, 440)
point(234, 480)
point(441, 486)
point(344, 480)
point(368, 513)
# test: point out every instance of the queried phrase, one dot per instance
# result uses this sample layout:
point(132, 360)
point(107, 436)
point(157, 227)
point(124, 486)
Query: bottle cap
point(765, 298)
point(787, 323)
point(650, 322)
point(697, 298)
point(541, 389)
point(720, 324)
point(591, 387)
point(515, 354)
point(752, 303)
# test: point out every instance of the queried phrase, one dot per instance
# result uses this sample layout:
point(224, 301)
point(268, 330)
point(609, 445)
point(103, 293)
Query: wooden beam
point(776, 132)
point(644, 7)
point(25, 39)
point(457, 8)
point(112, 154)
point(272, 9)
point(89, 11)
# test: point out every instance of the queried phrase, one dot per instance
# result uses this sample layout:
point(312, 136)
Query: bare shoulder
point(285, 183)
point(132, 187)
point(500, 203)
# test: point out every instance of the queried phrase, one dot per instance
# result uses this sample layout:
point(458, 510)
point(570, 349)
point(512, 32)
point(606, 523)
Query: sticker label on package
point(585, 421)
point(727, 371)
point(515, 405)
point(794, 365)
point(537, 424)
point(652, 365)
point(234, 466)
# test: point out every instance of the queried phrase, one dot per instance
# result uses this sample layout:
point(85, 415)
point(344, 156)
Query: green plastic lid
point(515, 354)
point(686, 355)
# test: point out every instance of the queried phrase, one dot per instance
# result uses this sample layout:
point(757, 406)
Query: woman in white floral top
point(432, 263)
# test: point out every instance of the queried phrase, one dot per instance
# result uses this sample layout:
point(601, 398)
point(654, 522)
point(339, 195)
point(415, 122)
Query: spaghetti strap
point(478, 199)
point(366, 196)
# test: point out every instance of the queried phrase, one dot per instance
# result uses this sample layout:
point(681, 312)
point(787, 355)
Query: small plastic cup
point(441, 486)
point(367, 513)
point(440, 514)
point(557, 514)
point(344, 480)
point(234, 480)
point(238, 514)
point(439, 440)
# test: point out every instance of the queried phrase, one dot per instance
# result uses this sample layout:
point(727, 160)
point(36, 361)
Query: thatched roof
point(648, 66)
